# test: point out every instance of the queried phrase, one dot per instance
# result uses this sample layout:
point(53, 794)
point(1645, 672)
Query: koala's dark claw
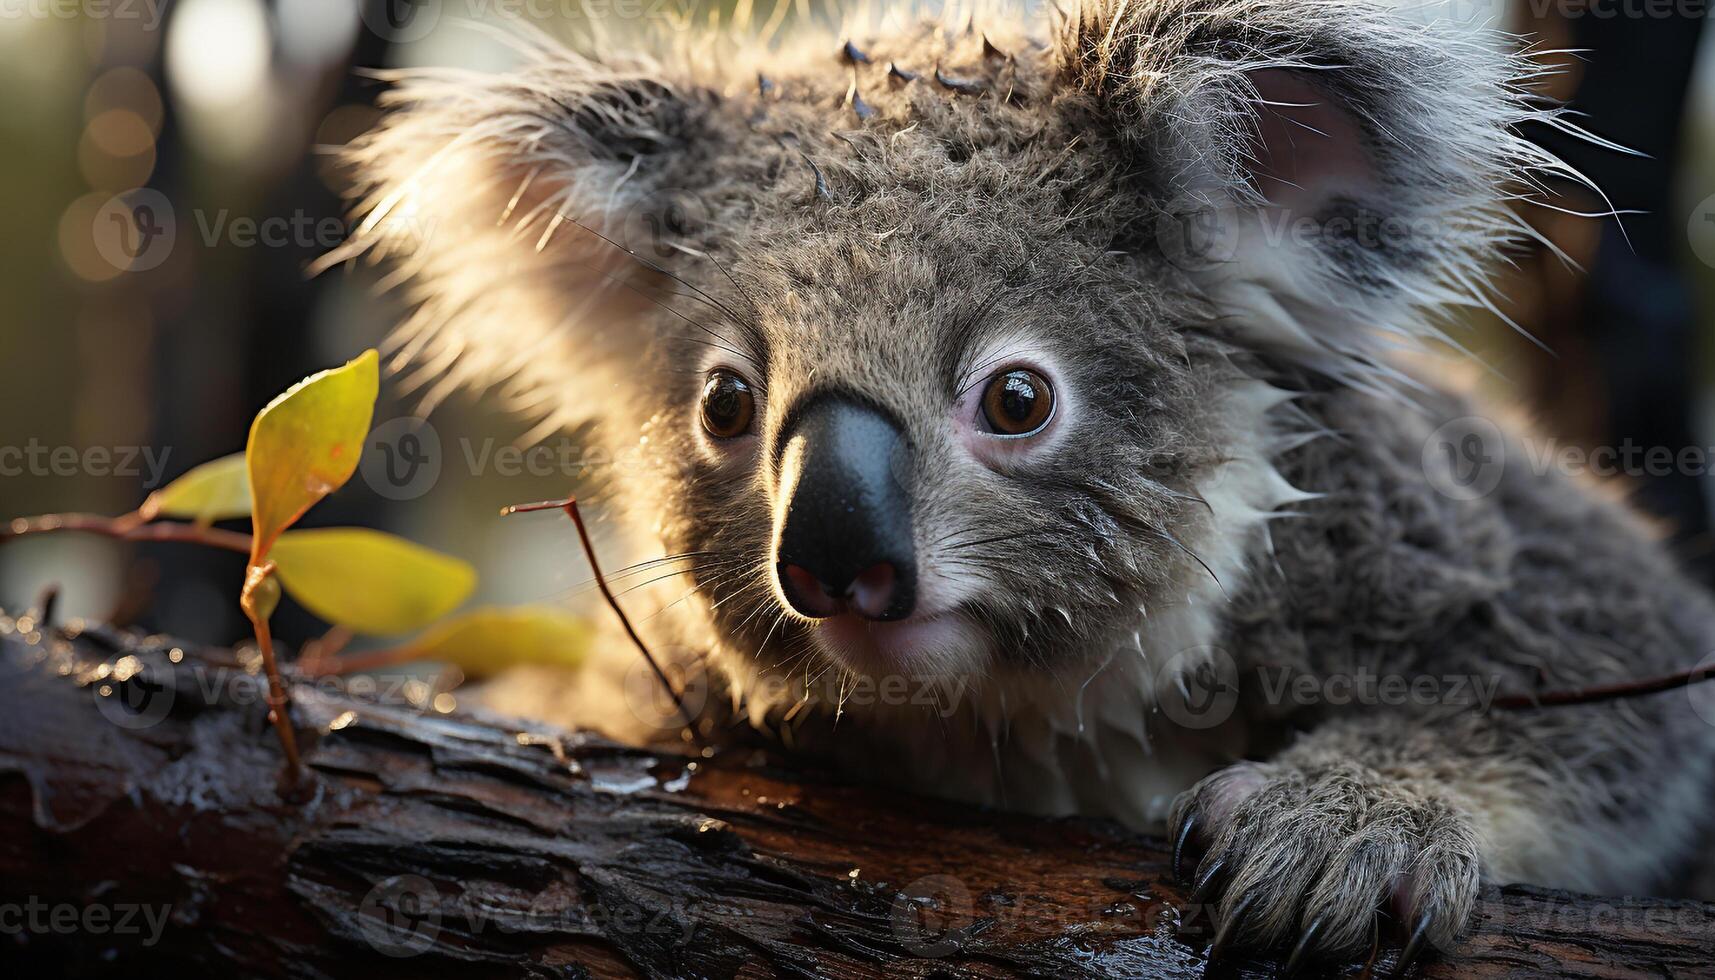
point(1304, 951)
point(863, 109)
point(1187, 827)
point(821, 191)
point(1413, 946)
point(1229, 928)
point(1375, 948)
point(965, 86)
point(854, 54)
point(1209, 883)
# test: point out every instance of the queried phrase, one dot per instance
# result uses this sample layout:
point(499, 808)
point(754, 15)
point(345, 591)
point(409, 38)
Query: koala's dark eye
point(728, 405)
point(1018, 402)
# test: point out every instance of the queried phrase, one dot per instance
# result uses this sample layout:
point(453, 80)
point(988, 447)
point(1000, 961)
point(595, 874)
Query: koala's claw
point(1229, 928)
point(1208, 883)
point(1304, 951)
point(1414, 946)
point(1187, 827)
point(1305, 858)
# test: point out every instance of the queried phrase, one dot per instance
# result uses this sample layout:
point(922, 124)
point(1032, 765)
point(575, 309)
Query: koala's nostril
point(873, 591)
point(876, 593)
point(807, 595)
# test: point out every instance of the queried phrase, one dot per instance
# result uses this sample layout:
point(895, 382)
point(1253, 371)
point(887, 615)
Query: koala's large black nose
point(845, 540)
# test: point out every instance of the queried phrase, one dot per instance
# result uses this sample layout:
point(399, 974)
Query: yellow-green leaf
point(218, 490)
point(305, 445)
point(487, 640)
point(370, 581)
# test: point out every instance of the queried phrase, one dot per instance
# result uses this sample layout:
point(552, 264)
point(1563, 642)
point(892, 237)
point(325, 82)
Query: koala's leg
point(1404, 815)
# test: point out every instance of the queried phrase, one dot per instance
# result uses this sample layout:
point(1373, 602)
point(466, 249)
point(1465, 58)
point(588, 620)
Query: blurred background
point(166, 182)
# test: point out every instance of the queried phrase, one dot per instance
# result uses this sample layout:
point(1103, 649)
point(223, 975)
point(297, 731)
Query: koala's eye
point(728, 405)
point(1017, 403)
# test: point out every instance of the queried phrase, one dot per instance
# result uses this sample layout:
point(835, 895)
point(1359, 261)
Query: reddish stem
point(570, 506)
point(279, 701)
point(129, 527)
point(1607, 692)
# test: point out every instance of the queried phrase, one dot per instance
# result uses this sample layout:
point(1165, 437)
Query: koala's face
point(931, 371)
point(932, 446)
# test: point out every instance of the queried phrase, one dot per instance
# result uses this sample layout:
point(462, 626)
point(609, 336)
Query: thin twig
point(127, 528)
point(1607, 692)
point(570, 506)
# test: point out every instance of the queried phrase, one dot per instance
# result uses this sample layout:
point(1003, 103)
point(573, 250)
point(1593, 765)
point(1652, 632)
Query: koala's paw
point(1304, 858)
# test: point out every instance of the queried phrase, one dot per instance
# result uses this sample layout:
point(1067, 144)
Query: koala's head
point(948, 349)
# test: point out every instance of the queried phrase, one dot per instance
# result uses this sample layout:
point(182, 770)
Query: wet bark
point(142, 826)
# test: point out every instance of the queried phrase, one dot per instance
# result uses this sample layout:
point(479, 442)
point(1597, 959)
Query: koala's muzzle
point(845, 537)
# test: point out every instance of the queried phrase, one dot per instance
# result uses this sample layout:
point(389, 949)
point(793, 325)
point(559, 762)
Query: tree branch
point(139, 773)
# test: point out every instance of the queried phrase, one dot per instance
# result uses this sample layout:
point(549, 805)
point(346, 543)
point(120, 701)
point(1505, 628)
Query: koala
point(1075, 362)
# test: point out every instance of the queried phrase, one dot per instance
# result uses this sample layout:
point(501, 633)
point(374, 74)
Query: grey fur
point(1238, 478)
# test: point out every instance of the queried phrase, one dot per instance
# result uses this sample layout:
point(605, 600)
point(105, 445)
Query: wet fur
point(1244, 476)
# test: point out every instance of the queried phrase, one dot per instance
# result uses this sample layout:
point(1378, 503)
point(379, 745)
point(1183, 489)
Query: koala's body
point(918, 367)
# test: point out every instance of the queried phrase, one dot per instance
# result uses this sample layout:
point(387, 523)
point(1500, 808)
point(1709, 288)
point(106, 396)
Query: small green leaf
point(370, 581)
point(487, 640)
point(305, 445)
point(218, 490)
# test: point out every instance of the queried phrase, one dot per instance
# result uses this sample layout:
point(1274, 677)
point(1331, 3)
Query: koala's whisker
point(798, 656)
point(1012, 536)
point(761, 605)
point(961, 329)
point(722, 310)
point(764, 601)
point(973, 528)
point(1168, 535)
point(591, 584)
point(693, 590)
point(755, 310)
point(654, 580)
point(761, 600)
point(955, 532)
point(778, 619)
point(651, 562)
point(653, 267)
point(730, 347)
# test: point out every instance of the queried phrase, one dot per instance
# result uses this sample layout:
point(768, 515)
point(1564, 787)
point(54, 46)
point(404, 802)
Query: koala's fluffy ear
point(1331, 175)
point(486, 193)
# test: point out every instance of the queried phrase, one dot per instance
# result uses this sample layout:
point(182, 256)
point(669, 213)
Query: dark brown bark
point(439, 843)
